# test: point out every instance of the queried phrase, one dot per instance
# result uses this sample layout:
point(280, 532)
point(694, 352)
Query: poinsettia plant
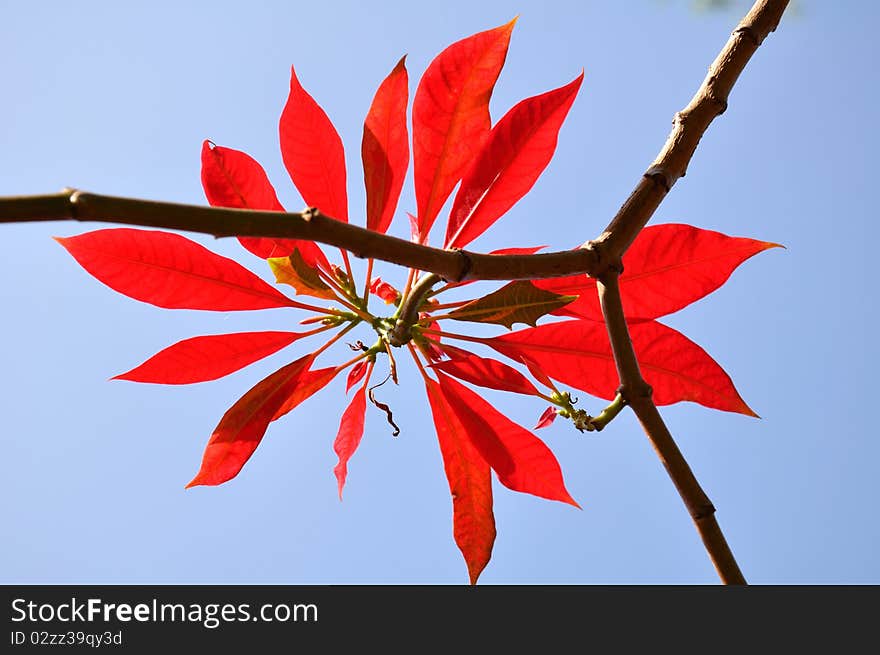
point(454, 144)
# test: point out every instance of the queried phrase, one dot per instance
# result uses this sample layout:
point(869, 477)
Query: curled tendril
point(389, 416)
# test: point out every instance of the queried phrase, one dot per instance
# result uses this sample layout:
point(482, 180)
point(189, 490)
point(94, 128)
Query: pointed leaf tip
point(170, 271)
point(546, 418)
point(470, 483)
point(348, 438)
point(521, 460)
point(577, 353)
point(313, 153)
point(232, 178)
point(450, 116)
point(243, 425)
point(667, 268)
point(516, 152)
point(385, 148)
point(205, 358)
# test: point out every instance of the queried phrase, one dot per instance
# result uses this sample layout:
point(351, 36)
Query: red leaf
point(522, 461)
point(356, 374)
point(546, 418)
point(242, 427)
point(168, 270)
point(431, 346)
point(351, 430)
point(666, 268)
point(312, 152)
point(384, 291)
point(516, 153)
point(414, 234)
point(200, 359)
point(484, 372)
point(528, 250)
point(451, 116)
point(232, 178)
point(470, 483)
point(537, 373)
point(577, 353)
point(385, 148)
point(311, 383)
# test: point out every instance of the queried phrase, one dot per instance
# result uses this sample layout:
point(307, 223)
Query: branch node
point(702, 511)
point(606, 262)
point(466, 265)
point(747, 32)
point(408, 313)
point(74, 200)
point(721, 103)
point(310, 213)
point(634, 391)
point(660, 175)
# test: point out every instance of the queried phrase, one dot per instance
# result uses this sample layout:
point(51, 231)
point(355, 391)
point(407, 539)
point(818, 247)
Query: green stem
point(607, 415)
point(408, 312)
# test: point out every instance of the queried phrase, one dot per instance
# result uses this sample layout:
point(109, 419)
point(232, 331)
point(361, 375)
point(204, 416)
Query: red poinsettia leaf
point(348, 438)
point(431, 347)
point(528, 250)
point(546, 418)
point(516, 152)
point(451, 116)
point(310, 383)
point(356, 374)
point(470, 483)
point(232, 178)
point(484, 372)
point(312, 152)
point(384, 291)
point(577, 353)
point(242, 427)
point(522, 461)
point(170, 271)
point(204, 358)
point(414, 234)
point(667, 268)
point(519, 301)
point(385, 148)
point(537, 373)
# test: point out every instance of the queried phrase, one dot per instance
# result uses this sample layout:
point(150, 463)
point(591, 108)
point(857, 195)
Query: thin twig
point(688, 127)
point(409, 309)
point(671, 164)
point(637, 394)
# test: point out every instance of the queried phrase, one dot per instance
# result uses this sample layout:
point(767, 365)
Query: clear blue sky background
point(117, 97)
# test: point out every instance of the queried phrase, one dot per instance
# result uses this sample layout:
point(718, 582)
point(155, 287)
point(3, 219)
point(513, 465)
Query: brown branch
point(688, 127)
point(452, 265)
point(637, 394)
point(671, 164)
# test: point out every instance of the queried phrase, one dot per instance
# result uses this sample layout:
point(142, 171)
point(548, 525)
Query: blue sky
point(116, 98)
